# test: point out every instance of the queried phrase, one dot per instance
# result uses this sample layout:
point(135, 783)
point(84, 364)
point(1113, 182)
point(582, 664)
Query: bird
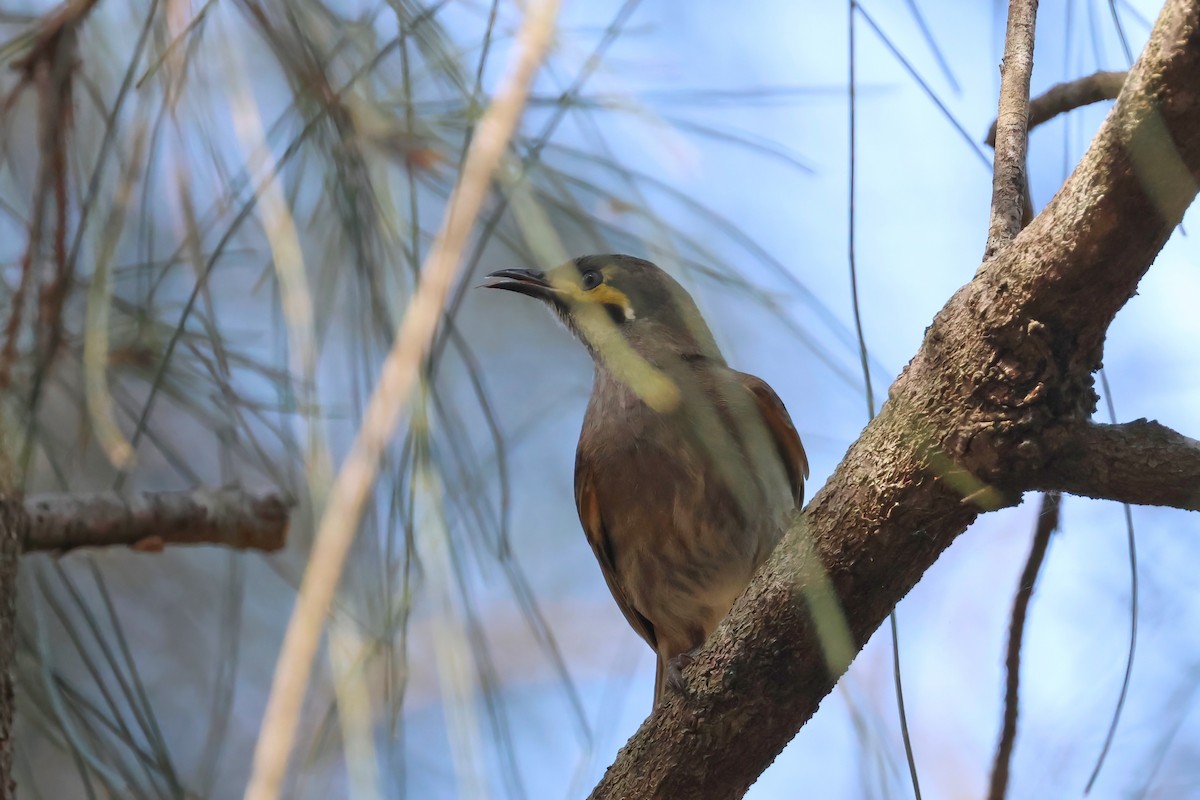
point(686, 471)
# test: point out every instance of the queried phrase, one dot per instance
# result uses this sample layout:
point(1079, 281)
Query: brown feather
point(676, 535)
point(779, 423)
point(588, 505)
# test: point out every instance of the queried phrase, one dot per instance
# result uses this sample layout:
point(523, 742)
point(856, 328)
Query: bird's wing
point(782, 430)
point(587, 501)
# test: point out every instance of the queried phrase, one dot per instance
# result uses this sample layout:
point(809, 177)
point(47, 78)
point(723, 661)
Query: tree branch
point(1012, 124)
point(1006, 365)
point(1063, 97)
point(1047, 523)
point(149, 522)
point(1140, 462)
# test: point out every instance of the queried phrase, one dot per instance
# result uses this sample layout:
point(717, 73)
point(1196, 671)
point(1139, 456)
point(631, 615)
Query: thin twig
point(1012, 127)
point(148, 522)
point(925, 87)
point(1047, 523)
point(927, 34)
point(396, 382)
point(47, 68)
point(1068, 96)
point(858, 327)
point(898, 682)
point(1131, 538)
point(897, 677)
point(1141, 462)
point(1116, 18)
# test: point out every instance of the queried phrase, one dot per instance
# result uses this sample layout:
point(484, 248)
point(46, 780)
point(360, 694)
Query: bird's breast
point(690, 508)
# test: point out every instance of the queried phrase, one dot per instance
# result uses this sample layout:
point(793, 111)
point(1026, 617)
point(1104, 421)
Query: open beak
point(521, 281)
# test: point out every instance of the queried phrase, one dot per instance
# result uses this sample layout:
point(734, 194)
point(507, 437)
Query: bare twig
point(1047, 523)
point(1059, 99)
point(152, 520)
point(49, 68)
point(1063, 97)
point(1140, 462)
point(66, 19)
point(396, 382)
point(1012, 125)
point(1131, 538)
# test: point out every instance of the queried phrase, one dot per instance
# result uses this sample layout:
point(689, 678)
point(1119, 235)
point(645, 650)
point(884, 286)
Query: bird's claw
point(675, 666)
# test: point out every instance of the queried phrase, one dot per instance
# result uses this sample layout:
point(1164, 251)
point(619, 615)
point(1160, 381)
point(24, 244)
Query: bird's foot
point(675, 667)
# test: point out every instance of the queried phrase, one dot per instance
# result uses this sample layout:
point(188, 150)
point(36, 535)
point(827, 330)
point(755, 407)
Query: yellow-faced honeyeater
point(686, 470)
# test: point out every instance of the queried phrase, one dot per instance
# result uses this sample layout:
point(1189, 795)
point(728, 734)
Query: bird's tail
point(660, 676)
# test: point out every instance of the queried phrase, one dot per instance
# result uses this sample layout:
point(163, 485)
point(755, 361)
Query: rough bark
point(12, 531)
point(994, 397)
point(1010, 193)
point(154, 519)
point(1139, 462)
point(13, 523)
point(1063, 97)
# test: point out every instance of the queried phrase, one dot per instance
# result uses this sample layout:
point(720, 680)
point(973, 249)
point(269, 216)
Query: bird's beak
point(522, 281)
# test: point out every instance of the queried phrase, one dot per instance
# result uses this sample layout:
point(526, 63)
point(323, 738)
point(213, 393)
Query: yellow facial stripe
point(604, 294)
point(609, 296)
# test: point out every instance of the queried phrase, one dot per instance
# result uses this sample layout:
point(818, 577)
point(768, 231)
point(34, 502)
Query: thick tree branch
point(1063, 97)
point(152, 520)
point(1004, 370)
point(1012, 125)
point(1140, 462)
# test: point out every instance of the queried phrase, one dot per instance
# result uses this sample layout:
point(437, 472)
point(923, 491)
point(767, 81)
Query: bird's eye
point(591, 279)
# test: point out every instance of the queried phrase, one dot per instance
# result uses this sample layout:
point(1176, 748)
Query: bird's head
point(612, 300)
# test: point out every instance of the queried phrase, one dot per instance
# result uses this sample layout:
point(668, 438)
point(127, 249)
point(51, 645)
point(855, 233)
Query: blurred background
point(215, 158)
